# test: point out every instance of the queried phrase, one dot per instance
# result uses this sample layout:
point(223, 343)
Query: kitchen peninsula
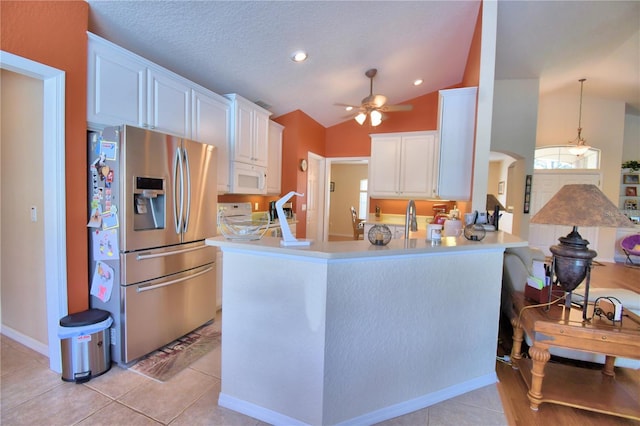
point(351, 333)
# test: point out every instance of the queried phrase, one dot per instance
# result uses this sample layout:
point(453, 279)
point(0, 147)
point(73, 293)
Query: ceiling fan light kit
point(374, 105)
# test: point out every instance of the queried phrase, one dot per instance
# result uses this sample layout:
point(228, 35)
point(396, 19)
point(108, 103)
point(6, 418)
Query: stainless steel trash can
point(86, 345)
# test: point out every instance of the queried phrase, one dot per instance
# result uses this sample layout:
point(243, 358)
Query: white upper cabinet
point(169, 107)
point(456, 127)
point(210, 124)
point(404, 165)
point(274, 168)
point(124, 88)
point(117, 92)
point(249, 138)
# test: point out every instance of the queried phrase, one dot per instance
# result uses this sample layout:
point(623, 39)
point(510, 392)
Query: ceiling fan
point(373, 105)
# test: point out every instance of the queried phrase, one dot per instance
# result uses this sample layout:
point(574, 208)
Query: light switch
point(255, 206)
point(34, 214)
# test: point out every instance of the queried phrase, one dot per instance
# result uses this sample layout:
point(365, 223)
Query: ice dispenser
point(149, 204)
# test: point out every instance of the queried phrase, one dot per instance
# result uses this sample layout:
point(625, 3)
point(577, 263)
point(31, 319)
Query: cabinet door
point(274, 166)
point(243, 143)
point(116, 87)
point(169, 104)
point(210, 124)
point(418, 166)
point(261, 138)
point(456, 125)
point(384, 166)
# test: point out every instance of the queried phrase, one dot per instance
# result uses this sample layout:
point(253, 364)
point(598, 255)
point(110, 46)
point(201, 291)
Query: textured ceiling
point(244, 46)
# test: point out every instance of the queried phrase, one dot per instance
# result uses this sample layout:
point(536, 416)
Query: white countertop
point(362, 248)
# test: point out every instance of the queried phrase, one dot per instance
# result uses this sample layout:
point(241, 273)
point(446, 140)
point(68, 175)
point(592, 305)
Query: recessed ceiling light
point(349, 108)
point(299, 56)
point(418, 82)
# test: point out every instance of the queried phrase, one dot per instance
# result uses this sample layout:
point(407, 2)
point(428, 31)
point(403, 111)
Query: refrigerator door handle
point(145, 256)
point(148, 287)
point(188, 175)
point(177, 164)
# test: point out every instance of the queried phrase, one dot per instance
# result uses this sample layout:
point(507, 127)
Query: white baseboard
point(373, 417)
point(25, 340)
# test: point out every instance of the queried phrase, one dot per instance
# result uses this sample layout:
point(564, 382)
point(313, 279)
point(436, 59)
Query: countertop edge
point(363, 249)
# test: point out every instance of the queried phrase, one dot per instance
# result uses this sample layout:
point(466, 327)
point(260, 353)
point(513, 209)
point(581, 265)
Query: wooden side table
point(568, 385)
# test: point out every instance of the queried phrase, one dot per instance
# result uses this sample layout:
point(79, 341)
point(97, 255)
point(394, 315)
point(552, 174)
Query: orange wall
point(471, 75)
point(301, 135)
point(54, 33)
point(349, 139)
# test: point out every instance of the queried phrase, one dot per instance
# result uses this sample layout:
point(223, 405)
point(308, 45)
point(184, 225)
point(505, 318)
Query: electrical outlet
point(256, 206)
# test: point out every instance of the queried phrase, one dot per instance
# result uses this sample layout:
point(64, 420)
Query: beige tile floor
point(32, 394)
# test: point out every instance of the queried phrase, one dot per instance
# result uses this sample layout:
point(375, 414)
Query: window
point(363, 204)
point(559, 157)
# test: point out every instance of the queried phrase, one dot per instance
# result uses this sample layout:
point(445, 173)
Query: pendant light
point(580, 147)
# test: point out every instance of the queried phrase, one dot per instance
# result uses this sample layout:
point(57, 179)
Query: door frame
point(55, 231)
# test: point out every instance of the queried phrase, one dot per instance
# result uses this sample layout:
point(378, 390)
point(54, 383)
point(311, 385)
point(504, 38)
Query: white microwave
point(248, 179)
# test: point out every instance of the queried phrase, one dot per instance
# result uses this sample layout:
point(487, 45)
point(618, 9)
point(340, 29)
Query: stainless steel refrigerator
point(152, 203)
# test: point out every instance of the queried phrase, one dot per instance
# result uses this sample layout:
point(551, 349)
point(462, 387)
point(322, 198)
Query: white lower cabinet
point(404, 165)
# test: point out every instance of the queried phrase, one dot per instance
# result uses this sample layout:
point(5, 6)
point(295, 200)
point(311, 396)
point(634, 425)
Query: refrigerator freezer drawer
point(160, 311)
point(146, 265)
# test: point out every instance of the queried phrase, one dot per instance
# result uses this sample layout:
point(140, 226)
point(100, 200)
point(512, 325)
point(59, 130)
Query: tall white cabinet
point(210, 117)
point(274, 168)
point(404, 165)
point(456, 130)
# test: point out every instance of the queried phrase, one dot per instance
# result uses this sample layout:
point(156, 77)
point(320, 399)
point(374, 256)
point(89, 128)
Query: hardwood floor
point(513, 390)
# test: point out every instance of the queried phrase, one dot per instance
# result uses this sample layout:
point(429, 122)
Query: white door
point(545, 185)
point(315, 197)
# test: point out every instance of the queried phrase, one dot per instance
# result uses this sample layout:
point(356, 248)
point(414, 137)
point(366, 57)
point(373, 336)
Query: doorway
point(53, 213)
point(345, 175)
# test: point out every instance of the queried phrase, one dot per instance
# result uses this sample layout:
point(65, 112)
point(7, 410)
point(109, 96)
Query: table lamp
point(577, 205)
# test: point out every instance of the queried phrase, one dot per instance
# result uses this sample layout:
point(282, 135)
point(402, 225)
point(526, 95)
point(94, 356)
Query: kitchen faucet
point(410, 221)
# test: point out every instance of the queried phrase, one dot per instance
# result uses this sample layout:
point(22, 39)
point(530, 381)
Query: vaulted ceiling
point(244, 47)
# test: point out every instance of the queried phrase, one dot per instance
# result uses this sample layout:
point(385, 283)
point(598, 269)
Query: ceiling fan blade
point(345, 106)
point(394, 108)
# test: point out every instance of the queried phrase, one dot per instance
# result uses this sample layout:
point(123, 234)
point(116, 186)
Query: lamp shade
point(581, 205)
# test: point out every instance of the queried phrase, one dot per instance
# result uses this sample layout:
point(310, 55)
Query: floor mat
point(171, 359)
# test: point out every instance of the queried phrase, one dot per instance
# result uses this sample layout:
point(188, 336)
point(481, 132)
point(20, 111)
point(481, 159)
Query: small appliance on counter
point(439, 214)
point(287, 208)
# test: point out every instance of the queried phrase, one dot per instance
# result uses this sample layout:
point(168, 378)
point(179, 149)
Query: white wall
point(515, 116)
point(631, 146)
point(603, 124)
point(22, 272)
